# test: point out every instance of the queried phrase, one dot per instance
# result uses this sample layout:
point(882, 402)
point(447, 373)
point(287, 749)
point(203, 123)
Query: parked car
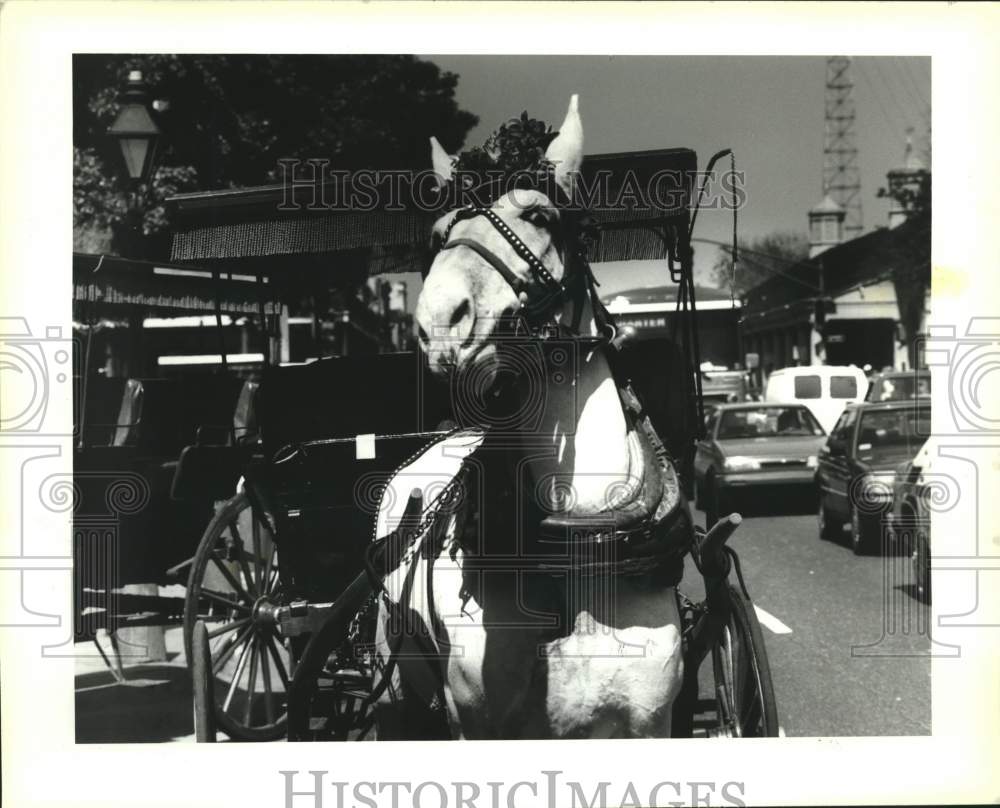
point(825, 389)
point(752, 445)
point(858, 466)
point(910, 518)
point(899, 385)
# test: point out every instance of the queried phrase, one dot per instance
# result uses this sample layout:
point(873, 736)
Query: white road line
point(771, 622)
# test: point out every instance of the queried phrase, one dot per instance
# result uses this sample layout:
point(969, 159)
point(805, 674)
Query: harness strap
point(491, 258)
point(554, 289)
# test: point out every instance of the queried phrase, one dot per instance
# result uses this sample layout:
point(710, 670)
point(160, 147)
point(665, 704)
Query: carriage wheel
point(744, 692)
point(203, 685)
point(334, 677)
point(234, 588)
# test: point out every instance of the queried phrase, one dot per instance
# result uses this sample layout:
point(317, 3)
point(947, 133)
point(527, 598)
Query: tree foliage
point(759, 259)
point(911, 276)
point(230, 119)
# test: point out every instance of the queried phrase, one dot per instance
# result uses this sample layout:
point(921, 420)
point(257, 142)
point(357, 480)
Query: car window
point(808, 387)
point(900, 388)
point(843, 387)
point(842, 429)
point(710, 420)
point(890, 433)
point(767, 422)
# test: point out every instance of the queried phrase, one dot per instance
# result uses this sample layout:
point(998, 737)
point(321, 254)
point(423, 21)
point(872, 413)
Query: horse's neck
point(586, 436)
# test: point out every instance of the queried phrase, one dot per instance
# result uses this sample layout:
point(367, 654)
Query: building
point(652, 311)
point(860, 302)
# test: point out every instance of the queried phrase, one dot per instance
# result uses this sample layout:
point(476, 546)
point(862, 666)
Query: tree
point(911, 262)
point(228, 120)
point(759, 259)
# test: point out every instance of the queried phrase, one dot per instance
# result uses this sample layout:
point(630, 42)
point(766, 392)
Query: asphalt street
point(846, 638)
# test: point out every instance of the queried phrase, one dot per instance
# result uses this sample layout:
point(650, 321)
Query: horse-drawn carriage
point(153, 452)
point(337, 530)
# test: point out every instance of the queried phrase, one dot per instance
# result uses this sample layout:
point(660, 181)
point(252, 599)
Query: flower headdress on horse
point(525, 154)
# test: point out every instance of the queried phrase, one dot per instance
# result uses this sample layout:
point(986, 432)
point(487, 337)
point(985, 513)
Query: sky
point(769, 110)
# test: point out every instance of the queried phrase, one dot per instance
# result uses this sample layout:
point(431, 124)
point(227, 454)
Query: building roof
point(827, 205)
point(846, 266)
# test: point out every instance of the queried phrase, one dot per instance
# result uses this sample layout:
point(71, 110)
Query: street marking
point(771, 622)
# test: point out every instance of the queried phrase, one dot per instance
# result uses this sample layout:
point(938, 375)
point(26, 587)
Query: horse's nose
point(444, 315)
point(462, 315)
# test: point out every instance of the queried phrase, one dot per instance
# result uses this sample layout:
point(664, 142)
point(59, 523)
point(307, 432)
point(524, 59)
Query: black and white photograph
point(627, 398)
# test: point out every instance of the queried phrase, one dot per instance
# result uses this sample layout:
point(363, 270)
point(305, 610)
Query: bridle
point(540, 298)
point(552, 291)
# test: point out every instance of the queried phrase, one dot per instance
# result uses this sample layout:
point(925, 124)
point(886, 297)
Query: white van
point(824, 389)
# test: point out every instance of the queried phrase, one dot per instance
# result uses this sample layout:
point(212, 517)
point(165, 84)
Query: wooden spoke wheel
point(234, 588)
point(334, 678)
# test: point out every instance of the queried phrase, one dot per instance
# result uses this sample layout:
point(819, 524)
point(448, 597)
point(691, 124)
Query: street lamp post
point(134, 129)
point(137, 135)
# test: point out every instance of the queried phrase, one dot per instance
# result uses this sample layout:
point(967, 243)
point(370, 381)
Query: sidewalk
point(153, 706)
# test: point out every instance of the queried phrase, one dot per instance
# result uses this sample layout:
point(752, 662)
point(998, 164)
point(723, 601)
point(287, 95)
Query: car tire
point(826, 525)
point(862, 541)
point(921, 560)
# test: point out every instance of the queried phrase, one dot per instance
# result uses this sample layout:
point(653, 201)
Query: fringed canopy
point(638, 200)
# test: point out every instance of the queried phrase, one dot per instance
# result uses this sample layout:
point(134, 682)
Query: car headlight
point(741, 463)
point(878, 487)
point(812, 461)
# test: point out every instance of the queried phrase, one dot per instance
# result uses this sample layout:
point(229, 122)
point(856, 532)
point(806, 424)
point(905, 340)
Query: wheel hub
point(265, 614)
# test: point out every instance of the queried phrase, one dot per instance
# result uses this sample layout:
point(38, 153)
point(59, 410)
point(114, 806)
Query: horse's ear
point(442, 162)
point(566, 151)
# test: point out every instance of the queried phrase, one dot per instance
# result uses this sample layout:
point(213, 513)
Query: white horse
point(521, 654)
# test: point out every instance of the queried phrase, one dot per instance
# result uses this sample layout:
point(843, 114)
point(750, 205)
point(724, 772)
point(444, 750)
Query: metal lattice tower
point(841, 173)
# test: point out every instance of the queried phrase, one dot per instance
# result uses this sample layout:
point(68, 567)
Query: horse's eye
point(537, 216)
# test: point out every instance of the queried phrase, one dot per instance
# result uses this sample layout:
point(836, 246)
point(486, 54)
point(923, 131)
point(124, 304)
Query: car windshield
point(885, 433)
point(768, 422)
point(900, 388)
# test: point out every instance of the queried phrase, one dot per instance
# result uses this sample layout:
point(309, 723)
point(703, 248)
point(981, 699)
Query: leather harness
point(649, 536)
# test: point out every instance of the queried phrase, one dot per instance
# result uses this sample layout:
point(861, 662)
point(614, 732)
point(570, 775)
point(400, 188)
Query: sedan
point(910, 517)
point(858, 467)
point(751, 446)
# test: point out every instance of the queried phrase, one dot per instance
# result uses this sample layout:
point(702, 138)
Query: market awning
point(109, 286)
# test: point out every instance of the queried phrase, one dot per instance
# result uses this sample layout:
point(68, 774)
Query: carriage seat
point(129, 412)
point(242, 426)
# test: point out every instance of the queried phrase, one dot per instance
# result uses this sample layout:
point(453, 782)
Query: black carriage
point(153, 451)
point(278, 599)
